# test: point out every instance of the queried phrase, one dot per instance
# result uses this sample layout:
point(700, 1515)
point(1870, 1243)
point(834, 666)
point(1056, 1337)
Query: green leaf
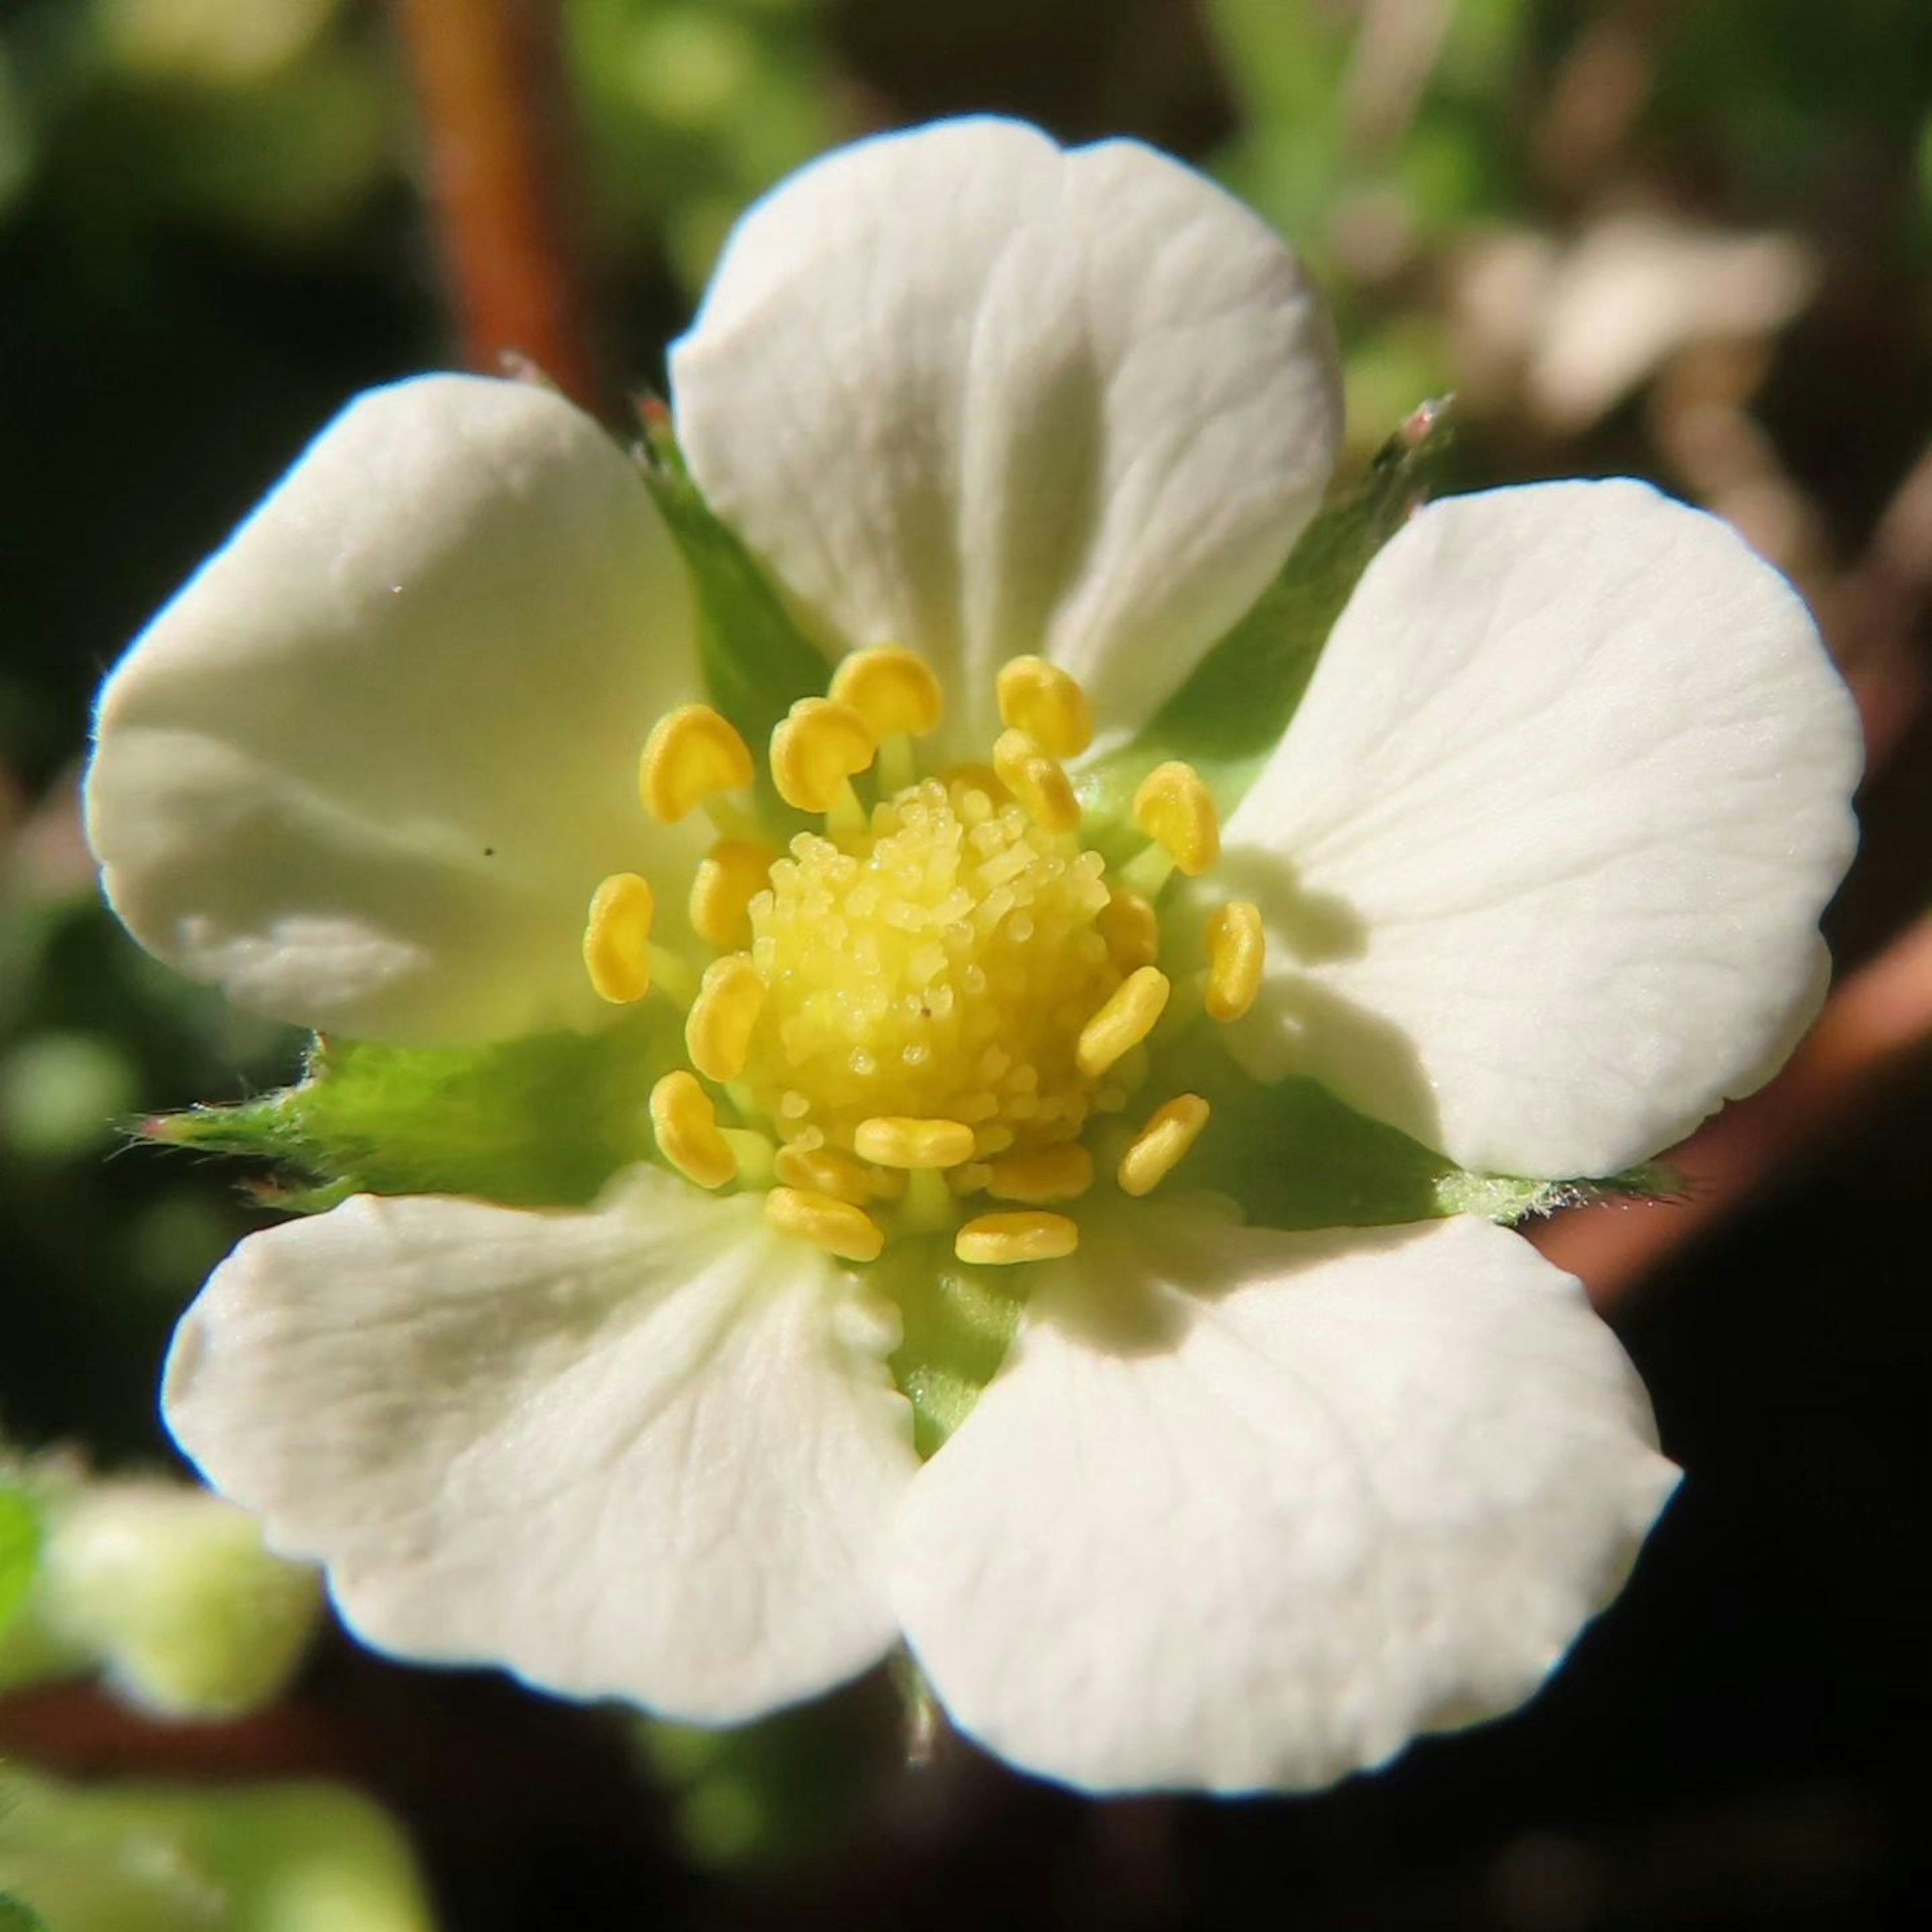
point(757, 661)
point(19, 1553)
point(1239, 699)
point(543, 1122)
point(17, 1916)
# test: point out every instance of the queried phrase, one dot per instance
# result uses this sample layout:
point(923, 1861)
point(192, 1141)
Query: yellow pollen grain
point(895, 1141)
point(1174, 808)
point(1044, 792)
point(1237, 951)
point(1048, 1174)
point(617, 938)
point(1131, 927)
point(1002, 1241)
point(837, 1226)
point(718, 1030)
point(692, 753)
point(1127, 1019)
point(1046, 703)
point(729, 876)
point(1158, 1147)
point(894, 692)
point(685, 1123)
point(817, 751)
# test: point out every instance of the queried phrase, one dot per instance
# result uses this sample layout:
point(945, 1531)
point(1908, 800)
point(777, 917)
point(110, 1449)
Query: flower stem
point(489, 83)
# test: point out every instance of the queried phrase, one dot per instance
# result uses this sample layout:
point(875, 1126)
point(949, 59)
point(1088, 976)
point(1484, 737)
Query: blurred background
point(1687, 241)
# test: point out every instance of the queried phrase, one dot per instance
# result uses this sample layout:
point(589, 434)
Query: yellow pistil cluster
point(937, 996)
point(936, 967)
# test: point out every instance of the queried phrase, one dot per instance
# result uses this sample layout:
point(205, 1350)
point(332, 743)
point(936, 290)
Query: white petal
point(1543, 853)
point(1246, 1511)
point(367, 768)
point(965, 391)
point(652, 1452)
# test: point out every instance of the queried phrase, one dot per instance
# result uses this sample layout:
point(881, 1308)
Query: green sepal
point(1235, 706)
point(958, 1323)
point(20, 1536)
point(1293, 1156)
point(542, 1122)
point(756, 662)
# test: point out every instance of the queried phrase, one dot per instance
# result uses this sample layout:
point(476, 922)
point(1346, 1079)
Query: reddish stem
point(489, 84)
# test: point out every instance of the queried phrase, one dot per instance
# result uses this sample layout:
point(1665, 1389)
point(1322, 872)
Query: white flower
point(1535, 872)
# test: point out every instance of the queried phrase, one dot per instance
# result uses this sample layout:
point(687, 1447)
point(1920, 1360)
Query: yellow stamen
point(1131, 927)
point(718, 1030)
point(1174, 808)
point(1046, 703)
point(1000, 1241)
point(1236, 950)
point(894, 692)
point(1159, 1146)
point(893, 1141)
point(837, 1226)
point(816, 752)
point(1124, 1022)
point(686, 1125)
point(1043, 789)
point(828, 1171)
point(691, 753)
point(728, 879)
point(617, 938)
point(1061, 1173)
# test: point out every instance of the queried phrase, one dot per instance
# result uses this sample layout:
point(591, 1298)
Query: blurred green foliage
point(298, 1858)
point(692, 108)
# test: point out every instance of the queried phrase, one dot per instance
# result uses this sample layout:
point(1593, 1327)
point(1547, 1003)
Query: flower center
point(939, 964)
point(932, 999)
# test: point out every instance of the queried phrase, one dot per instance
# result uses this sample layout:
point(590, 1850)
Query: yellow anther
point(1174, 808)
point(817, 751)
point(1041, 788)
point(718, 1029)
point(827, 1171)
point(1159, 1146)
point(1124, 1022)
point(729, 876)
point(617, 938)
point(893, 1141)
point(1235, 952)
point(1046, 703)
point(1061, 1173)
point(894, 691)
point(1000, 1241)
point(1131, 927)
point(691, 753)
point(686, 1125)
point(837, 1226)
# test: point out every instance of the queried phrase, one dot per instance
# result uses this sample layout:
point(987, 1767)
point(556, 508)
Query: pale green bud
point(169, 1591)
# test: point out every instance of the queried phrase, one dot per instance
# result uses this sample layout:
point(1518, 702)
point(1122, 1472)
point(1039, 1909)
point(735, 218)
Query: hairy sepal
point(543, 1122)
